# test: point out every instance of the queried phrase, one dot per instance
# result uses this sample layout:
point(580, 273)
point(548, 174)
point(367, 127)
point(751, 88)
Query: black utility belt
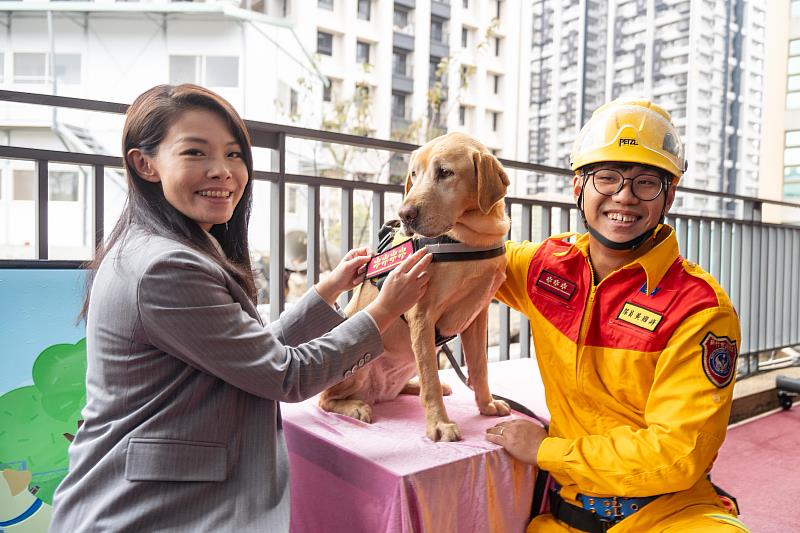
point(598, 514)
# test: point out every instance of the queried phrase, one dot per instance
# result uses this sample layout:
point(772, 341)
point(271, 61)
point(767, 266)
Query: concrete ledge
point(757, 394)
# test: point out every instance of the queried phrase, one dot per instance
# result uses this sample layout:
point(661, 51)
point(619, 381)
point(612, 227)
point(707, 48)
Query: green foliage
point(35, 420)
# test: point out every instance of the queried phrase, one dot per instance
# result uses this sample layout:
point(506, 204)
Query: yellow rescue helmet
point(630, 130)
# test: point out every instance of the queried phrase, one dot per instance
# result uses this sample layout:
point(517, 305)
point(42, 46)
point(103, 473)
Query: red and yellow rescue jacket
point(638, 370)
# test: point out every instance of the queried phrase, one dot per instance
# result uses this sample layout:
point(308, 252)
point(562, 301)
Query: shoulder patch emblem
point(556, 285)
point(719, 359)
point(639, 316)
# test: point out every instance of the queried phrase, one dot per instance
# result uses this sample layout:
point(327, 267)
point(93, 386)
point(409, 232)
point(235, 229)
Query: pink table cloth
point(348, 476)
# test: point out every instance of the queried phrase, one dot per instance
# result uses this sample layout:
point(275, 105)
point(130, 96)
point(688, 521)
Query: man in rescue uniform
point(636, 346)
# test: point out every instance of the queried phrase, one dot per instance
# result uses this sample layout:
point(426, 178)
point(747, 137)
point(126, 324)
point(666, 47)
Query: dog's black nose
point(408, 214)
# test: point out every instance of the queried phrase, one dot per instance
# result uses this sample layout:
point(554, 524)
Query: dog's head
point(447, 177)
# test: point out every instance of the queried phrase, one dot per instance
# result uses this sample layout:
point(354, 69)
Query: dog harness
point(394, 247)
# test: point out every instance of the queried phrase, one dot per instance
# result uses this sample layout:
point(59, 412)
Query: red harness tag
point(386, 261)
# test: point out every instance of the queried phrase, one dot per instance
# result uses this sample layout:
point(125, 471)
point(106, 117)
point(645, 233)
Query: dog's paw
point(447, 390)
point(495, 408)
point(443, 432)
point(358, 410)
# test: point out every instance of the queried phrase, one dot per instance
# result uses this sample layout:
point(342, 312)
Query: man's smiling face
point(621, 216)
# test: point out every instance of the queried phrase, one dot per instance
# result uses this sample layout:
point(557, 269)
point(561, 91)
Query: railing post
point(41, 209)
point(99, 204)
point(346, 232)
point(525, 235)
point(752, 210)
point(277, 231)
point(312, 235)
point(377, 218)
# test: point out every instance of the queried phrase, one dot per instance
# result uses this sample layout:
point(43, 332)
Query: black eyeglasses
point(609, 182)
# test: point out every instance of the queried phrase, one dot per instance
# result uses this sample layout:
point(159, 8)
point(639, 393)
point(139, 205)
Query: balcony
point(748, 256)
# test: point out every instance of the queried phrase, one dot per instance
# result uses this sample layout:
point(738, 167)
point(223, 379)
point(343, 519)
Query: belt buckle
point(616, 506)
point(611, 512)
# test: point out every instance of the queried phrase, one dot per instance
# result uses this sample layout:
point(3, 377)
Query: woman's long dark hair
point(146, 124)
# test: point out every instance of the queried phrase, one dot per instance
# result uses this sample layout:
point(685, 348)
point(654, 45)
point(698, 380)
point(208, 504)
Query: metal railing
point(757, 263)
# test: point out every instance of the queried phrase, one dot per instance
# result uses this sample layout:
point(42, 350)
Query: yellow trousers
point(697, 509)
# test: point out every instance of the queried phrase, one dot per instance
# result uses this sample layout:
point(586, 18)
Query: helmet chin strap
point(627, 245)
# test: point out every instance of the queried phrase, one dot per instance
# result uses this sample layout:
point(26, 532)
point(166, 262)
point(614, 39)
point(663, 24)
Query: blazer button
point(361, 362)
point(367, 357)
point(348, 373)
point(353, 370)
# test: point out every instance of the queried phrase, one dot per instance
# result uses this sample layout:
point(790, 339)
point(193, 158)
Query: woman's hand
point(347, 274)
point(404, 287)
point(521, 438)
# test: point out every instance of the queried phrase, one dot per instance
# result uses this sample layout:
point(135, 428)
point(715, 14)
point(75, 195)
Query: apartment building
point(427, 67)
point(702, 61)
point(113, 51)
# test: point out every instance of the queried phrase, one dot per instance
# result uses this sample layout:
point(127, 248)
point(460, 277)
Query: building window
point(433, 66)
point(324, 43)
point(23, 182)
point(364, 9)
point(331, 92)
point(63, 186)
point(496, 83)
point(793, 79)
point(222, 71)
point(2, 67)
point(30, 67)
point(437, 30)
point(465, 4)
point(791, 166)
point(499, 9)
point(325, 4)
point(293, 102)
point(497, 46)
point(462, 115)
point(495, 120)
point(361, 92)
point(795, 8)
point(399, 105)
point(464, 37)
point(399, 63)
point(68, 68)
point(400, 18)
point(184, 69)
point(212, 71)
point(362, 52)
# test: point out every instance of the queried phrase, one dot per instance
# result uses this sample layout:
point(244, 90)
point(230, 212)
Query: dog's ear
point(492, 180)
point(408, 176)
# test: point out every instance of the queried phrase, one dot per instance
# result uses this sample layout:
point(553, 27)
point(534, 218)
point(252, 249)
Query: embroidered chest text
point(556, 285)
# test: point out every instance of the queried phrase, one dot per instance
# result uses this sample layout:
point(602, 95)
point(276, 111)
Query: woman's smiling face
point(200, 167)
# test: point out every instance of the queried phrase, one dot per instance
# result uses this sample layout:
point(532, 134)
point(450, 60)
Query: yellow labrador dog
point(455, 187)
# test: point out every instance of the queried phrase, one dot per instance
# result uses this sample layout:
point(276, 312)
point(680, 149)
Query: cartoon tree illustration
point(37, 422)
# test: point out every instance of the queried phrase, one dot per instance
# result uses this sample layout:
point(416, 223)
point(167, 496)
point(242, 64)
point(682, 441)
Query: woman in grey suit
point(181, 427)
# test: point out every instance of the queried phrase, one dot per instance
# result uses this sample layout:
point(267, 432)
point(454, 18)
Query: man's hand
point(347, 274)
point(521, 438)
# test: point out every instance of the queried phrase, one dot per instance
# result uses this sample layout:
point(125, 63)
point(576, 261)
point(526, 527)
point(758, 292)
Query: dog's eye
point(443, 173)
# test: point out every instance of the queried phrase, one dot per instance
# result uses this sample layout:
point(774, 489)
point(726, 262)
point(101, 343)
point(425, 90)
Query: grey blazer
point(181, 426)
